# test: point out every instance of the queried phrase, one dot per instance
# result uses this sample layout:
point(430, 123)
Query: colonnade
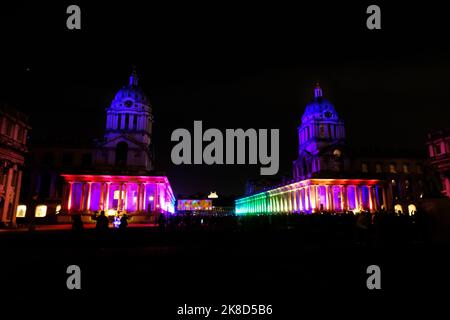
point(300, 197)
point(89, 193)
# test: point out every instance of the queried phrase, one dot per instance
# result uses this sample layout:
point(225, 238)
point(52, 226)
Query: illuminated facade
point(121, 179)
point(194, 205)
point(314, 195)
point(439, 153)
point(130, 194)
point(13, 136)
point(115, 174)
point(329, 176)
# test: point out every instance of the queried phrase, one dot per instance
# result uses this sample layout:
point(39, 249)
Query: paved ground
point(59, 227)
point(144, 270)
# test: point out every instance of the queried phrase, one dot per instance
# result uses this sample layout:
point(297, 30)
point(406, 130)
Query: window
point(437, 149)
point(48, 159)
point(405, 168)
point(392, 168)
point(337, 153)
point(20, 132)
point(364, 167)
point(41, 211)
point(322, 131)
point(127, 121)
point(9, 127)
point(14, 178)
point(407, 184)
point(86, 160)
point(419, 168)
point(378, 168)
point(67, 159)
point(119, 121)
point(412, 209)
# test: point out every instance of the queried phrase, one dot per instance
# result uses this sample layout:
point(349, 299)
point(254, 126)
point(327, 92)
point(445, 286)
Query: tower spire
point(317, 91)
point(134, 77)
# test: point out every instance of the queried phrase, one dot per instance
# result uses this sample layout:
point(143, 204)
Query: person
point(33, 205)
point(77, 224)
point(102, 222)
point(123, 222)
point(162, 222)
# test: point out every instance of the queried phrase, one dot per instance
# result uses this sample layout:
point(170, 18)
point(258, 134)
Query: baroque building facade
point(328, 175)
point(114, 174)
point(13, 137)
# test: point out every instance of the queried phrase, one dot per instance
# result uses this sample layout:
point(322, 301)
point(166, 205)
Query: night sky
point(231, 67)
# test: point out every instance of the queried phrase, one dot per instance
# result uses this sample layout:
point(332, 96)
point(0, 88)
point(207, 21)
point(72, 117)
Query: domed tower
point(321, 138)
point(128, 136)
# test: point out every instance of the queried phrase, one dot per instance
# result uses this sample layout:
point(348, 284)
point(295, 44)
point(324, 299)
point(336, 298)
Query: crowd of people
point(362, 227)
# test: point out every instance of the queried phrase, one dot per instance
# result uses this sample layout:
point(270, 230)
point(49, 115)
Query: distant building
point(115, 174)
point(439, 152)
point(211, 204)
point(13, 136)
point(330, 176)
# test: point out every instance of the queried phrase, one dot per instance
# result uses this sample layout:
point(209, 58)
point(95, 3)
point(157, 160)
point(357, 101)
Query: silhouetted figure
point(123, 222)
point(77, 224)
point(162, 222)
point(102, 222)
point(33, 205)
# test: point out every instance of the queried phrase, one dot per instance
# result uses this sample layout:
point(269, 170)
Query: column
point(330, 198)
point(341, 195)
point(139, 197)
point(300, 200)
point(144, 197)
point(16, 196)
point(307, 201)
point(131, 121)
point(294, 197)
point(356, 198)
point(108, 187)
point(289, 197)
point(102, 196)
point(88, 202)
point(156, 197)
point(83, 195)
point(361, 204)
point(119, 202)
point(369, 188)
point(327, 198)
point(69, 198)
point(122, 125)
point(125, 202)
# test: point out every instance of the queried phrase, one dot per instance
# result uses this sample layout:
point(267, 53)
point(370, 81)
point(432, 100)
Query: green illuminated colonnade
point(315, 195)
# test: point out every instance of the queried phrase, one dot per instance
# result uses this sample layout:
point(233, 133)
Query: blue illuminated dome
point(131, 95)
point(319, 108)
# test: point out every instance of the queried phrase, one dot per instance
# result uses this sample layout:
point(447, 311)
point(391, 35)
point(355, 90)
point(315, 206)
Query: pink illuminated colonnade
point(130, 194)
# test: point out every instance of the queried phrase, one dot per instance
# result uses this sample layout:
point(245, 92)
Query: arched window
point(378, 168)
point(121, 153)
point(398, 208)
point(412, 209)
point(392, 168)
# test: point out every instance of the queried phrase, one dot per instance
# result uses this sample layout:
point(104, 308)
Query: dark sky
point(230, 66)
